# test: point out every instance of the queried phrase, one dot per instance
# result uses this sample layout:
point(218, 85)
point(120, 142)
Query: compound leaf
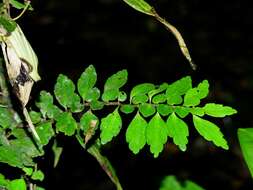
point(210, 132)
point(136, 134)
point(218, 110)
point(110, 126)
point(156, 134)
point(178, 130)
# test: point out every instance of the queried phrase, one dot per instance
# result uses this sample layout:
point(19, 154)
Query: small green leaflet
point(19, 5)
point(127, 109)
point(156, 134)
point(113, 84)
point(194, 95)
point(164, 109)
point(38, 175)
point(7, 25)
point(141, 90)
point(66, 123)
point(182, 111)
point(140, 5)
point(136, 134)
point(57, 150)
point(218, 110)
point(189, 185)
point(45, 132)
point(245, 136)
point(178, 130)
point(7, 119)
point(158, 90)
point(110, 126)
point(147, 109)
point(35, 117)
point(86, 83)
point(178, 88)
point(210, 132)
point(64, 91)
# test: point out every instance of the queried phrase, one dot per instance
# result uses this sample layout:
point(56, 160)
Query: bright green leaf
point(96, 105)
point(93, 94)
point(178, 130)
point(156, 134)
point(189, 185)
point(170, 183)
point(197, 111)
point(140, 99)
point(147, 109)
point(136, 134)
point(127, 108)
point(38, 175)
point(182, 111)
point(141, 90)
point(86, 82)
point(3, 182)
point(218, 110)
point(203, 89)
point(110, 126)
point(122, 96)
point(66, 123)
point(245, 136)
point(35, 117)
point(210, 132)
point(159, 98)
point(164, 109)
point(28, 171)
point(17, 184)
point(19, 5)
point(140, 5)
point(191, 97)
point(158, 90)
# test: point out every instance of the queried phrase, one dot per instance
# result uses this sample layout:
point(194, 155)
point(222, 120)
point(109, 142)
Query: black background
point(70, 35)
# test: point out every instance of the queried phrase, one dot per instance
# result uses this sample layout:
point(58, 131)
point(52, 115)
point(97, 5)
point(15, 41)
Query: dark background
point(70, 35)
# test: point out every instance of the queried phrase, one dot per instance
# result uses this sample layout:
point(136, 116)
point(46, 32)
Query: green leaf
point(17, 184)
point(66, 123)
point(140, 5)
point(113, 84)
point(38, 175)
point(96, 105)
point(28, 171)
point(191, 98)
point(86, 82)
point(156, 134)
point(164, 109)
point(182, 111)
point(45, 132)
point(218, 110)
point(3, 182)
point(189, 185)
point(93, 95)
point(64, 91)
point(35, 117)
point(178, 130)
point(127, 108)
point(147, 109)
point(89, 124)
point(140, 99)
point(57, 153)
point(7, 118)
point(141, 90)
point(8, 24)
point(170, 183)
point(110, 126)
point(210, 132)
point(39, 188)
point(158, 90)
point(122, 96)
point(197, 111)
point(136, 134)
point(203, 89)
point(178, 88)
point(46, 106)
point(245, 136)
point(19, 5)
point(159, 98)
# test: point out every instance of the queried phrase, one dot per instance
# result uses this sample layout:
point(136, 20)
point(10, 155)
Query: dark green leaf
point(35, 117)
point(110, 126)
point(156, 134)
point(140, 99)
point(136, 134)
point(210, 132)
point(147, 109)
point(86, 82)
point(245, 136)
point(113, 84)
point(127, 108)
point(218, 110)
point(7, 118)
point(38, 175)
point(17, 184)
point(140, 5)
point(66, 123)
point(141, 90)
point(178, 88)
point(178, 130)
point(96, 105)
point(159, 98)
point(164, 109)
point(45, 132)
point(182, 111)
point(8, 24)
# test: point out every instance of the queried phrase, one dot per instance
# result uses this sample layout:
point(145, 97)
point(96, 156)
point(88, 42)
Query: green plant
point(158, 112)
